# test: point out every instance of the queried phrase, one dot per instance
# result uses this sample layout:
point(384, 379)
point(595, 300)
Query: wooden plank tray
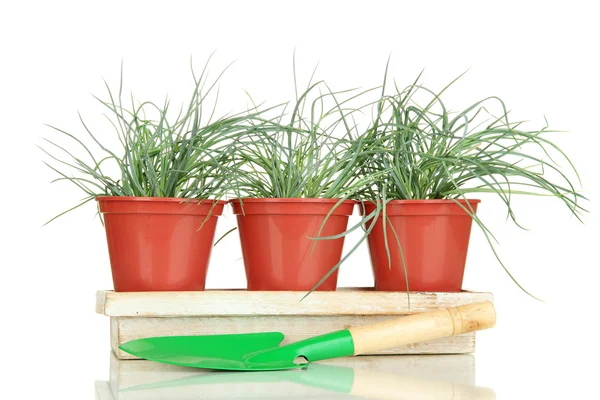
point(147, 314)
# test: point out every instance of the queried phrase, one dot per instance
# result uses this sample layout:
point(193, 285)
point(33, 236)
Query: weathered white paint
point(294, 327)
point(138, 315)
point(244, 303)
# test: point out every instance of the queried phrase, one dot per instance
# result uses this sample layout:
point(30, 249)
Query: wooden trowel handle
point(421, 327)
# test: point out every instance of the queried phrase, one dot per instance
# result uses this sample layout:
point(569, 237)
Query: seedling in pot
point(296, 173)
point(159, 191)
point(427, 156)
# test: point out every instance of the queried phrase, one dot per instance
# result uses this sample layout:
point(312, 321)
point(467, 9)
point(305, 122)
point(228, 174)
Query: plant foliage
point(423, 150)
point(160, 154)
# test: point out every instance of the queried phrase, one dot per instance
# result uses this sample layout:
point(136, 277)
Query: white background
point(542, 59)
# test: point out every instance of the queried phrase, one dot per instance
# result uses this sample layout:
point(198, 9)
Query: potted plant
point(428, 163)
point(159, 193)
point(293, 185)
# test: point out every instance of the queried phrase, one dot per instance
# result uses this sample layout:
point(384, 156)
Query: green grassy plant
point(420, 149)
point(186, 154)
point(314, 151)
point(309, 152)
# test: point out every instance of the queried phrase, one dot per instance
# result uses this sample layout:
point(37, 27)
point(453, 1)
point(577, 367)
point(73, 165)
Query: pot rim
point(427, 201)
point(158, 199)
point(290, 200)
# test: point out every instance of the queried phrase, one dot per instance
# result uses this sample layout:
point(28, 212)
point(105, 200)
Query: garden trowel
point(262, 352)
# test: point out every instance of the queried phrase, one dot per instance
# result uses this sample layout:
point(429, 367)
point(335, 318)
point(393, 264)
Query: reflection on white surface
point(368, 377)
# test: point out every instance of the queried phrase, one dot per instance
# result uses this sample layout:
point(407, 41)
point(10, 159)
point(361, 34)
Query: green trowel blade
point(210, 351)
point(245, 352)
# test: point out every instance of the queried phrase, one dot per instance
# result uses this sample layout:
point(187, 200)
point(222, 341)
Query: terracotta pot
point(434, 237)
point(275, 234)
point(155, 244)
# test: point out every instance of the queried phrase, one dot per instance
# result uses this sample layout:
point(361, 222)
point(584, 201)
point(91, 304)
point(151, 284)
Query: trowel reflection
point(374, 377)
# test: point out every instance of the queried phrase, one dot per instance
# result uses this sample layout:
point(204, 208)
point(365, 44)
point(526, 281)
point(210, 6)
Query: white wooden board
point(244, 303)
point(149, 314)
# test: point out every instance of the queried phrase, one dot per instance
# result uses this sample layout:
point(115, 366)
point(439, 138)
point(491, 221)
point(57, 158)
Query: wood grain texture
point(149, 314)
point(243, 303)
point(294, 327)
point(433, 325)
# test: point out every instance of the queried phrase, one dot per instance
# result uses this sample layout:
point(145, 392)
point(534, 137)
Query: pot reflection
point(370, 377)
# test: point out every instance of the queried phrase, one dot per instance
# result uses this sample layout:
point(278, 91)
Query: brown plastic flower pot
point(156, 244)
point(434, 238)
point(275, 234)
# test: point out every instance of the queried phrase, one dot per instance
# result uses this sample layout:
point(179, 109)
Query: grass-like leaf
point(161, 154)
point(428, 152)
